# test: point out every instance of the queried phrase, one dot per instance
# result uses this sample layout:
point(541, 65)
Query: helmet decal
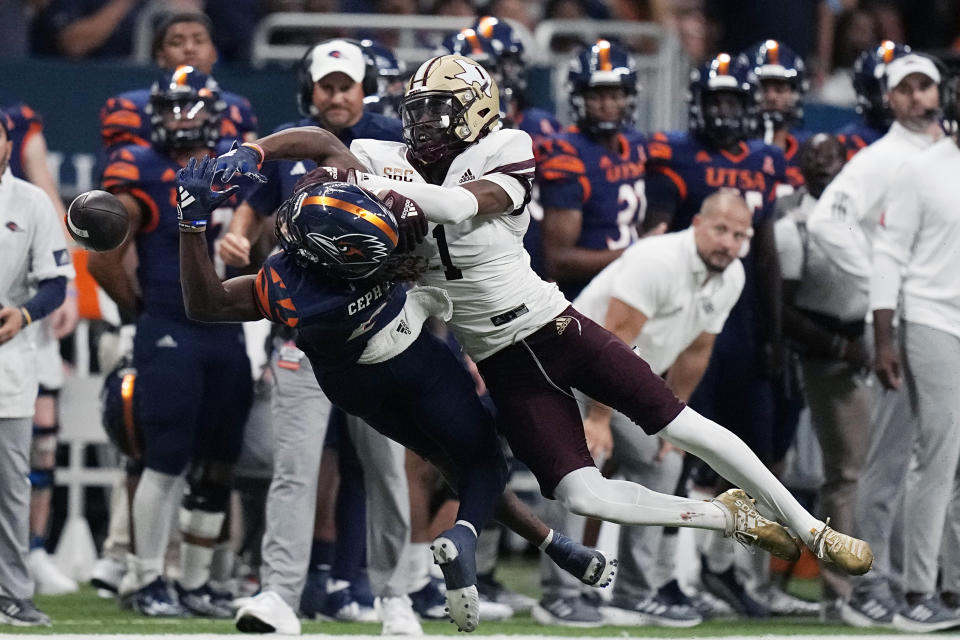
point(475, 74)
point(356, 210)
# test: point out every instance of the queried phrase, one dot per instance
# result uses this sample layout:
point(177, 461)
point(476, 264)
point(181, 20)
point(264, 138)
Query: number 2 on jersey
point(449, 271)
point(754, 200)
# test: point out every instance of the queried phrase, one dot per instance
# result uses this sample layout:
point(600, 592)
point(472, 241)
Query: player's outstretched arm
point(205, 298)
point(298, 143)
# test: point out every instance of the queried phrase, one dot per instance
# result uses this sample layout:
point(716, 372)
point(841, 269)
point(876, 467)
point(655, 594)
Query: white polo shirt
point(32, 248)
point(845, 219)
point(824, 288)
point(917, 249)
point(664, 278)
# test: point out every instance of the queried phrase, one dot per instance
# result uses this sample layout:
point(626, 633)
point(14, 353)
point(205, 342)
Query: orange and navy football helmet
point(497, 46)
point(185, 109)
point(772, 60)
point(383, 82)
point(721, 75)
point(868, 81)
point(116, 403)
point(338, 228)
point(602, 64)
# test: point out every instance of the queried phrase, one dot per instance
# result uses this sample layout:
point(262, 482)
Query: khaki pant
point(839, 404)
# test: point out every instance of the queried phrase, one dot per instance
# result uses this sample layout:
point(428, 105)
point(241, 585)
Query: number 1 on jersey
point(449, 271)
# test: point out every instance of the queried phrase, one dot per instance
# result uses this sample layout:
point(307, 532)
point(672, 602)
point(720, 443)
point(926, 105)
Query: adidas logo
point(921, 613)
point(185, 198)
point(875, 610)
point(466, 177)
point(562, 322)
point(298, 169)
point(167, 341)
point(403, 328)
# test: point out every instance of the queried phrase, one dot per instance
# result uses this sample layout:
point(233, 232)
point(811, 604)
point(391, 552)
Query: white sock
point(154, 504)
point(144, 571)
point(419, 565)
point(587, 493)
point(719, 554)
point(732, 458)
point(221, 569)
point(117, 543)
point(203, 527)
point(756, 568)
point(195, 561)
point(666, 561)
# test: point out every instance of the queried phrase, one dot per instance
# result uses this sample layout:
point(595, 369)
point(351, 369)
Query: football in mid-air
point(98, 221)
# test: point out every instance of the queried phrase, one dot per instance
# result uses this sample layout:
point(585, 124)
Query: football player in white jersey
point(471, 179)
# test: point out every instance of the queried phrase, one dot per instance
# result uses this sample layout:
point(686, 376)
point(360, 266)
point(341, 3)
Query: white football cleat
point(397, 615)
point(494, 611)
point(107, 573)
point(50, 580)
point(266, 612)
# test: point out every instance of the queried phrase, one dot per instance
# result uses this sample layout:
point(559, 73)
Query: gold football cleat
point(749, 528)
point(845, 552)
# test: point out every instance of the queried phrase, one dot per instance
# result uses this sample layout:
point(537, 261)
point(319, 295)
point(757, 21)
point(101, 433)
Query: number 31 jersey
point(576, 172)
point(481, 263)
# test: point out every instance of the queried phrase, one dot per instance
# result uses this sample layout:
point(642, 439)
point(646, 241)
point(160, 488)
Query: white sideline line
point(318, 636)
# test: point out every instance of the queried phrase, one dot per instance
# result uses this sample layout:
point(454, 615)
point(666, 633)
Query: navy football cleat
point(156, 601)
point(455, 550)
point(589, 566)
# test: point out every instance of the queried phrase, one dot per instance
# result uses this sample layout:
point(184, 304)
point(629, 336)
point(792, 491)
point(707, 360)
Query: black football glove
point(196, 199)
point(243, 159)
point(411, 223)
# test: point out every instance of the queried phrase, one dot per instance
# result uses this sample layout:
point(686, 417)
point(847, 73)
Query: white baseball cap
point(337, 55)
point(900, 68)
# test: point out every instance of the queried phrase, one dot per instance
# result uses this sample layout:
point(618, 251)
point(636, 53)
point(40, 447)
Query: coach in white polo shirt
point(824, 321)
point(669, 296)
point(843, 224)
point(917, 260)
point(34, 268)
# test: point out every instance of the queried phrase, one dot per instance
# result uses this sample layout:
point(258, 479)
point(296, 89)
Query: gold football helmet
point(450, 103)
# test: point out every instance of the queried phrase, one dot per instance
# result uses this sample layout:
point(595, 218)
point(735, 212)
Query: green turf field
point(86, 614)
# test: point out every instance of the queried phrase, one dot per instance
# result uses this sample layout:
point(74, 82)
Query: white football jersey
point(481, 263)
point(32, 248)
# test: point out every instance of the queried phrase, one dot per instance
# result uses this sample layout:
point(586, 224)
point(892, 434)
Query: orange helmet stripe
point(126, 396)
point(486, 25)
point(773, 51)
point(360, 212)
point(181, 73)
point(887, 47)
point(723, 64)
point(603, 53)
point(473, 40)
